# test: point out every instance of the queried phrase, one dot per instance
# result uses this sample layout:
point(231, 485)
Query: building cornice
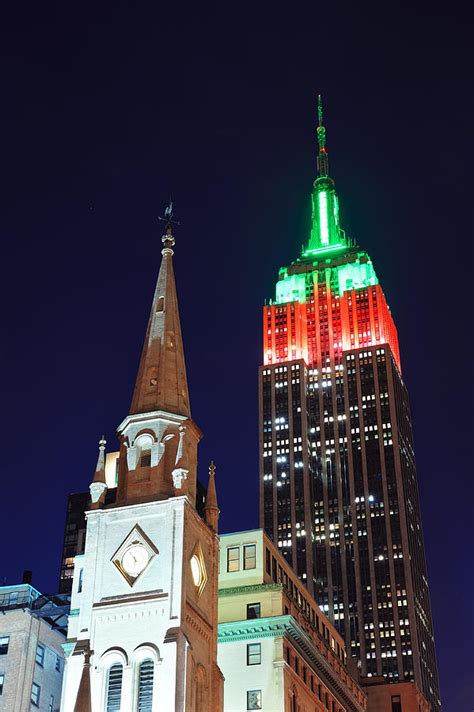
point(238, 590)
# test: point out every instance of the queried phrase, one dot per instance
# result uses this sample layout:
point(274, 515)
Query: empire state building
point(338, 486)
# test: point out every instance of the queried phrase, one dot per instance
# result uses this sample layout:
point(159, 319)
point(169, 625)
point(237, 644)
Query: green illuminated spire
point(326, 234)
point(321, 131)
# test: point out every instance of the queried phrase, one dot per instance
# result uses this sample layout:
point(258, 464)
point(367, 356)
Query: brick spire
point(161, 381)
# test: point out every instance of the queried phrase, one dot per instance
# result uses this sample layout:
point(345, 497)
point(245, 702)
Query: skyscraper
point(338, 488)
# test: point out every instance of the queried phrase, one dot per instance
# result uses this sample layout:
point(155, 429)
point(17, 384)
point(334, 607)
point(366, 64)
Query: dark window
point(267, 561)
point(35, 694)
point(396, 703)
point(145, 459)
point(4, 644)
point(254, 654)
point(274, 569)
point(253, 610)
point(233, 558)
point(51, 704)
point(250, 556)
point(81, 580)
point(40, 654)
point(145, 686)
point(57, 665)
point(2, 680)
point(114, 688)
point(254, 699)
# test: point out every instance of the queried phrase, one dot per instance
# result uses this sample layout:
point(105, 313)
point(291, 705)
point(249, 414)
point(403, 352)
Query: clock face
point(135, 559)
point(196, 570)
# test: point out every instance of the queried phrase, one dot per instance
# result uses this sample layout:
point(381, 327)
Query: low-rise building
point(31, 654)
point(277, 650)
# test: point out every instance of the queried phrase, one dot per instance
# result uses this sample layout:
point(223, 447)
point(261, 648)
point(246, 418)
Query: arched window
point(114, 687)
point(145, 685)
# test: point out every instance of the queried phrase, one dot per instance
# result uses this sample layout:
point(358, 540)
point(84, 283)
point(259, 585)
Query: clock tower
point(142, 632)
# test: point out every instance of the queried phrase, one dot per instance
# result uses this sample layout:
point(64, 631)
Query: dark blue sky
point(105, 110)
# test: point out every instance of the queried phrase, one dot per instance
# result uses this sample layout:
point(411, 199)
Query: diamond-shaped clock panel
point(134, 555)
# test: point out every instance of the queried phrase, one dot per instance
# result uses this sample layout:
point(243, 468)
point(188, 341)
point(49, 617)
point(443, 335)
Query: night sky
point(105, 111)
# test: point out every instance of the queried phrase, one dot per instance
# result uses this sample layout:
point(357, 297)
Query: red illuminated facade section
point(327, 324)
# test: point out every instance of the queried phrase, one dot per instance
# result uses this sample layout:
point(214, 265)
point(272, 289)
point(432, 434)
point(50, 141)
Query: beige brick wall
point(19, 666)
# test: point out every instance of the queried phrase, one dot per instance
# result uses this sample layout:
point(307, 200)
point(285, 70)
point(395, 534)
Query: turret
point(98, 486)
point(211, 509)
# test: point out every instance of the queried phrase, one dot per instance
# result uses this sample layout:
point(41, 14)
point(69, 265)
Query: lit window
point(254, 654)
point(233, 558)
point(250, 556)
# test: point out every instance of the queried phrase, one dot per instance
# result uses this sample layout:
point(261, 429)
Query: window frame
point(259, 693)
point(230, 561)
point(251, 654)
point(35, 694)
point(40, 654)
point(252, 606)
point(252, 558)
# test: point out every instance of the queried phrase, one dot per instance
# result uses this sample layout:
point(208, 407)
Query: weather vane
point(168, 216)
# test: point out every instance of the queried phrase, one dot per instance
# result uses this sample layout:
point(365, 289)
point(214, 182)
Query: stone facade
point(277, 650)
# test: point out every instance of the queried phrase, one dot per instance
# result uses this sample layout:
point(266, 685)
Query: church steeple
point(161, 380)
point(158, 452)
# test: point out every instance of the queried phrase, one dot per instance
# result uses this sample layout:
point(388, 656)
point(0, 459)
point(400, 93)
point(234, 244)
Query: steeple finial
point(323, 166)
point(211, 509)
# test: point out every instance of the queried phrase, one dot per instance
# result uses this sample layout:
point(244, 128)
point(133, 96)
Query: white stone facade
point(125, 624)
